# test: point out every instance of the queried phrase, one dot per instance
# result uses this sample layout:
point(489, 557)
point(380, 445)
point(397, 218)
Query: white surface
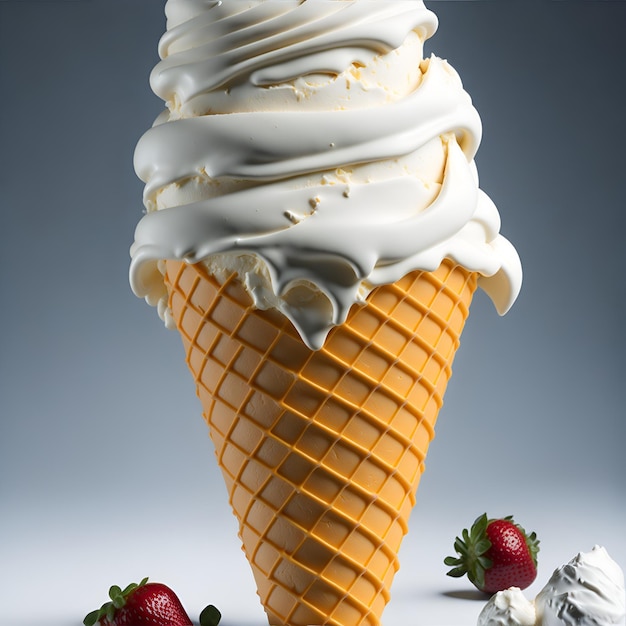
point(67, 558)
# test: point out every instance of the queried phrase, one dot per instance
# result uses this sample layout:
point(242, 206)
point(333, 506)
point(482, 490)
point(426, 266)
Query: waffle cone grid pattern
point(322, 451)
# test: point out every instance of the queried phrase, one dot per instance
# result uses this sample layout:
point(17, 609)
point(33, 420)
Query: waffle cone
point(322, 451)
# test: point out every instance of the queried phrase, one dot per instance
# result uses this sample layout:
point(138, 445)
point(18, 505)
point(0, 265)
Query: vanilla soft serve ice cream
point(309, 147)
point(508, 608)
point(587, 591)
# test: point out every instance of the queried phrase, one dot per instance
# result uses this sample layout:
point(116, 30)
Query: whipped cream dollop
point(508, 608)
point(309, 147)
point(587, 591)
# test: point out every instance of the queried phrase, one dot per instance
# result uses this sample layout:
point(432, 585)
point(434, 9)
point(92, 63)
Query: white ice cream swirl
point(308, 146)
point(508, 608)
point(587, 591)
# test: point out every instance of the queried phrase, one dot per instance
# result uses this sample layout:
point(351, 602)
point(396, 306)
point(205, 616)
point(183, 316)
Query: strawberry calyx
point(472, 548)
point(118, 600)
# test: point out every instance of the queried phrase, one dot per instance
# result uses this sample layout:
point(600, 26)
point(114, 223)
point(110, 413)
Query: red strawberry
point(495, 554)
point(146, 604)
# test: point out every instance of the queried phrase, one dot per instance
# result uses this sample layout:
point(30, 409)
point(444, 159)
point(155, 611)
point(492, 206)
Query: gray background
point(106, 470)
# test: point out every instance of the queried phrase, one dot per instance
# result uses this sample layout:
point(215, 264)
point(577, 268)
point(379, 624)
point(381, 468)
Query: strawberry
point(146, 604)
point(495, 554)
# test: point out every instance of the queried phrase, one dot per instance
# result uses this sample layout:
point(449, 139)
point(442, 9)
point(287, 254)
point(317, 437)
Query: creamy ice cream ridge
point(587, 591)
point(508, 608)
point(309, 147)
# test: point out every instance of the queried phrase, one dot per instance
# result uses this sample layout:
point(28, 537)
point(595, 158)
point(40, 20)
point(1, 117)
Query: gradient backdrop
point(106, 470)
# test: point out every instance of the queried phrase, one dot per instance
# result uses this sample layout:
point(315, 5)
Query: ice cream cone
point(322, 451)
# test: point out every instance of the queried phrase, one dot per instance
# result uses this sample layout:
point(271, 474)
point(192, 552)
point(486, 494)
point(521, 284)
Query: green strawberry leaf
point(210, 616)
point(477, 577)
point(91, 618)
point(129, 588)
point(460, 546)
point(482, 545)
point(484, 562)
point(457, 572)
